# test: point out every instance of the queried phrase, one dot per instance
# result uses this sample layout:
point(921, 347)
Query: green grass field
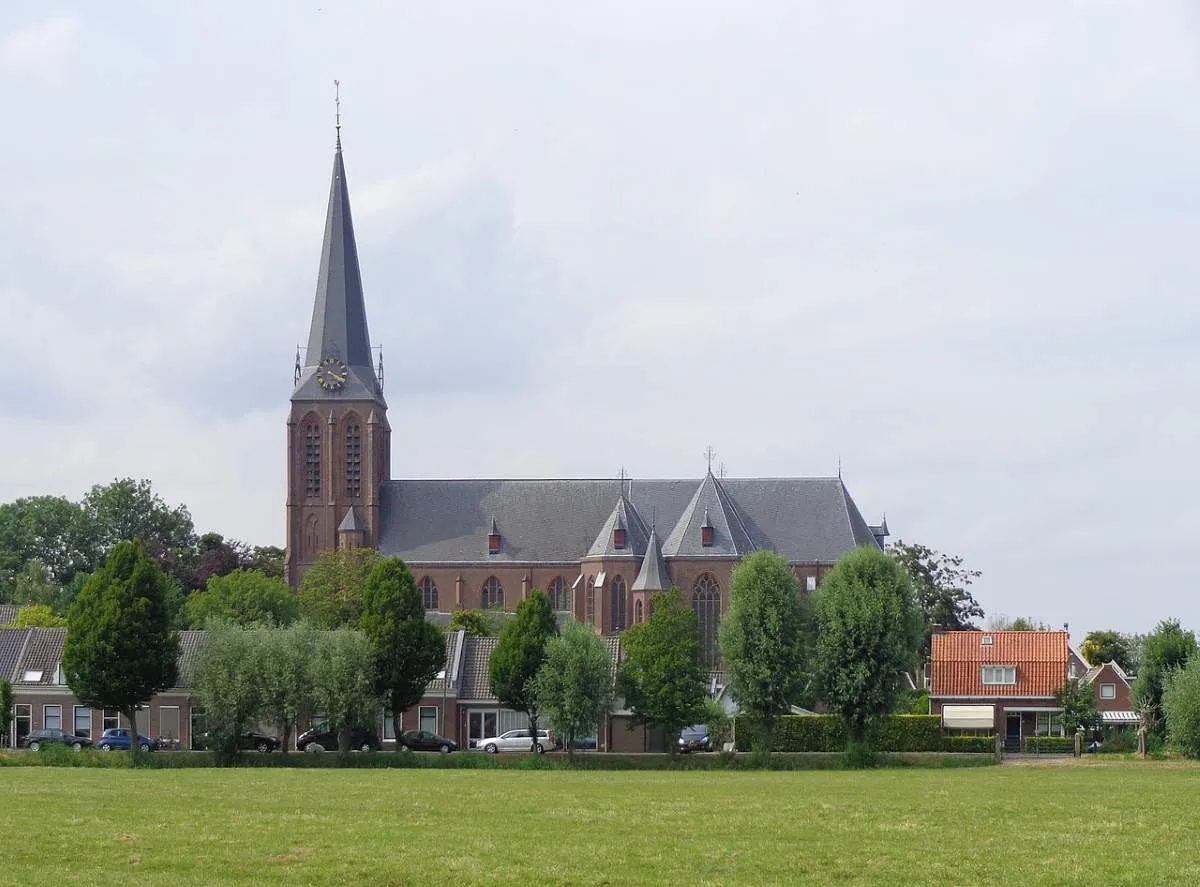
point(1120, 823)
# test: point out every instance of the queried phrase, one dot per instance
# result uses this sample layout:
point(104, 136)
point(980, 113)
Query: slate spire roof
point(339, 320)
point(625, 516)
point(653, 574)
point(710, 507)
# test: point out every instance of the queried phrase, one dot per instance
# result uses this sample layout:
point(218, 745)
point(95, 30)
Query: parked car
point(120, 738)
point(250, 740)
point(695, 738)
point(38, 738)
point(423, 740)
point(361, 739)
point(516, 740)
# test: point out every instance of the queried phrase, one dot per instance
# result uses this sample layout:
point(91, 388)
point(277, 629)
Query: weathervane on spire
point(337, 111)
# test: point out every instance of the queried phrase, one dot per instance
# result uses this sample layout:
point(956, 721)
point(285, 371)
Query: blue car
point(119, 738)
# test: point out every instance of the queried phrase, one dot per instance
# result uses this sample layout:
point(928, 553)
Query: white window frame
point(1108, 691)
point(46, 713)
point(421, 718)
point(75, 711)
point(105, 717)
point(998, 675)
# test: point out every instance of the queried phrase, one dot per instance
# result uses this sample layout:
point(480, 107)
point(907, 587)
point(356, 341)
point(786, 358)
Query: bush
point(1120, 740)
point(1049, 745)
point(897, 733)
point(984, 745)
point(1181, 708)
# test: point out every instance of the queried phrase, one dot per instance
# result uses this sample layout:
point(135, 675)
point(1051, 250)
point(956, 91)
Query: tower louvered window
point(589, 601)
point(312, 461)
point(618, 604)
point(706, 601)
point(353, 461)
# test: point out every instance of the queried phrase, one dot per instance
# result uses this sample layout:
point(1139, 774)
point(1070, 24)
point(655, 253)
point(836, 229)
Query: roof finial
point(709, 452)
point(337, 114)
point(839, 467)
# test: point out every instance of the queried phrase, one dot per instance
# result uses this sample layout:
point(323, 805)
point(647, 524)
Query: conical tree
point(519, 654)
point(121, 645)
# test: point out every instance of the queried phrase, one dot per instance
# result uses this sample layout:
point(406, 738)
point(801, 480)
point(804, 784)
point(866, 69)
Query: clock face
point(332, 374)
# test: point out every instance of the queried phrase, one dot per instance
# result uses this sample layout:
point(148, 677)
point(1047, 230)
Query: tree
point(341, 676)
point(129, 509)
point(764, 642)
point(1181, 707)
point(408, 651)
point(939, 584)
point(285, 675)
point(868, 630)
point(34, 584)
point(227, 681)
point(267, 559)
point(661, 677)
point(331, 591)
point(38, 616)
point(246, 597)
point(478, 623)
point(574, 684)
point(1078, 705)
point(1001, 622)
point(121, 646)
point(519, 654)
point(1100, 647)
point(49, 529)
point(6, 708)
point(1167, 648)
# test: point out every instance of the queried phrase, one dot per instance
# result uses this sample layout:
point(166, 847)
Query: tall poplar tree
point(519, 654)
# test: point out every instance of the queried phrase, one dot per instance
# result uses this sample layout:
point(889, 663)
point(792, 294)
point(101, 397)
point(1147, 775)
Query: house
point(1112, 689)
point(1002, 682)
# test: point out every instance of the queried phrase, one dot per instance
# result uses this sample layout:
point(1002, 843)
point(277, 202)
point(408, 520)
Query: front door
point(480, 724)
point(1012, 733)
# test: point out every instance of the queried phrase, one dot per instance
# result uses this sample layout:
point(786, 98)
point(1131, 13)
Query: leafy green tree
point(49, 529)
point(409, 651)
point(332, 590)
point(38, 616)
point(519, 654)
point(286, 678)
point(1100, 647)
point(1078, 704)
point(121, 646)
point(574, 684)
point(227, 682)
point(247, 597)
point(341, 674)
point(1167, 648)
point(477, 623)
point(940, 585)
point(764, 643)
point(661, 677)
point(34, 584)
point(1181, 707)
point(267, 559)
point(6, 708)
point(868, 631)
point(1001, 622)
point(130, 509)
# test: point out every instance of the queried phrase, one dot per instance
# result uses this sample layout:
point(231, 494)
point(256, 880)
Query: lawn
point(1120, 823)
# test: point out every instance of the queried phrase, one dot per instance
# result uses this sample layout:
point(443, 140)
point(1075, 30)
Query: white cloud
point(41, 48)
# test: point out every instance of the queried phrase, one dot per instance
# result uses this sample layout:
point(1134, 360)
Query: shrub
point(1049, 745)
point(969, 744)
point(1181, 706)
point(825, 733)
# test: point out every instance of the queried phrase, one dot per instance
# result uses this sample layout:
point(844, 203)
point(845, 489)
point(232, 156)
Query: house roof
point(190, 644)
point(12, 643)
point(476, 677)
point(430, 522)
point(1040, 658)
point(8, 613)
point(41, 656)
point(1096, 670)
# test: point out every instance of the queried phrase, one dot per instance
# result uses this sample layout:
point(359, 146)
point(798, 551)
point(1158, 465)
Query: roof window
point(985, 641)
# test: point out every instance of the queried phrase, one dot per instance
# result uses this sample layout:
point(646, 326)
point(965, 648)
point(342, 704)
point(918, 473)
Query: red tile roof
point(1040, 657)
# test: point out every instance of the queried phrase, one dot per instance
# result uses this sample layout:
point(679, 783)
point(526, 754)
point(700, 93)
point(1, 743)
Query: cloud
point(42, 48)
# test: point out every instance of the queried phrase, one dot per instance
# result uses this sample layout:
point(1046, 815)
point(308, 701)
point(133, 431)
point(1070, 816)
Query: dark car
point(361, 739)
point(423, 740)
point(38, 738)
point(120, 738)
point(250, 740)
point(695, 738)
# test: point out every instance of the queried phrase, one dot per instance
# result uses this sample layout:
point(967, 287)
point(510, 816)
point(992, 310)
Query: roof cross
point(337, 112)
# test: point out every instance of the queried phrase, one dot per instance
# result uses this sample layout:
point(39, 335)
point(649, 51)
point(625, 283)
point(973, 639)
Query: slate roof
point(8, 613)
point(42, 653)
point(711, 507)
point(805, 520)
point(339, 321)
point(653, 575)
point(1039, 656)
point(12, 643)
point(624, 515)
point(476, 680)
point(350, 523)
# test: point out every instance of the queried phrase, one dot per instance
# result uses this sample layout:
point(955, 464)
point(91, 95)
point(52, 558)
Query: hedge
point(898, 733)
point(1050, 745)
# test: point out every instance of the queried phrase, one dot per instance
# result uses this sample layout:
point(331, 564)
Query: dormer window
point(706, 531)
point(494, 539)
point(619, 538)
point(985, 641)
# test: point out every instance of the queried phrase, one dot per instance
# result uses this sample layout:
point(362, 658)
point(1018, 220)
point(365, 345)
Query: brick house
point(1002, 682)
point(1112, 689)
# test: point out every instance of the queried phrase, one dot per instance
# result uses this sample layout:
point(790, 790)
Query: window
point(428, 591)
point(429, 718)
point(83, 721)
point(168, 723)
point(353, 460)
point(1108, 691)
point(986, 640)
point(706, 601)
point(389, 728)
point(637, 611)
point(493, 594)
point(23, 715)
point(52, 717)
point(560, 594)
point(589, 602)
point(617, 604)
point(1049, 723)
point(32, 677)
point(111, 719)
point(198, 720)
point(810, 583)
point(1004, 675)
point(312, 460)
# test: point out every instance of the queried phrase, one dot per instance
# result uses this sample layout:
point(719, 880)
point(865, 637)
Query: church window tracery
point(353, 460)
point(493, 594)
point(706, 601)
point(560, 594)
point(429, 593)
point(312, 460)
point(617, 607)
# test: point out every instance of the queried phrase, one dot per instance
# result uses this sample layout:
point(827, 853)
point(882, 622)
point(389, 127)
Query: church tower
point(338, 440)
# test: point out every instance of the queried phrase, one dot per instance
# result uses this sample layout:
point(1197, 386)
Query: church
point(600, 548)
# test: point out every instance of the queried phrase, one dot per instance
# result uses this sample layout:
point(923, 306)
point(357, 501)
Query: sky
point(945, 246)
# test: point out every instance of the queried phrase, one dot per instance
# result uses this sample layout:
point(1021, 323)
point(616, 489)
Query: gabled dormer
point(710, 526)
point(623, 535)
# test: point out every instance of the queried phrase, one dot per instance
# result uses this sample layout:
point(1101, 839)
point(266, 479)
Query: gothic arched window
point(493, 594)
point(706, 601)
point(617, 607)
point(428, 593)
point(312, 460)
point(589, 602)
point(353, 460)
point(637, 611)
point(560, 594)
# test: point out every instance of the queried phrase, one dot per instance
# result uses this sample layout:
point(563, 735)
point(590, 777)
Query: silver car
point(516, 740)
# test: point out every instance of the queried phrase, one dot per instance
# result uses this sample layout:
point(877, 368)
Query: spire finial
point(709, 452)
point(337, 113)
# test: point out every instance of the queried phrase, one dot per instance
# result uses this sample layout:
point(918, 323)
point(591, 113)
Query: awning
point(969, 717)
point(1118, 717)
point(599, 578)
